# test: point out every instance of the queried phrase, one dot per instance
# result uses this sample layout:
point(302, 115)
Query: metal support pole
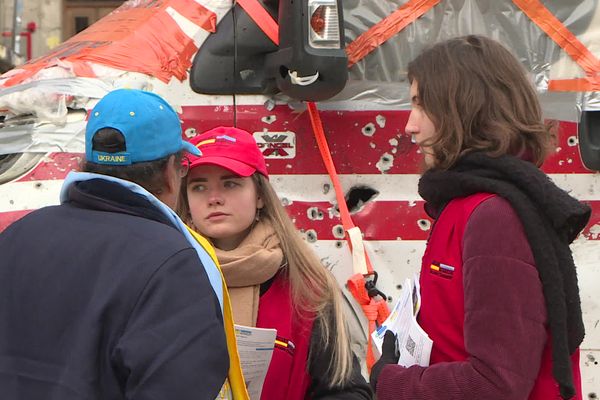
point(16, 30)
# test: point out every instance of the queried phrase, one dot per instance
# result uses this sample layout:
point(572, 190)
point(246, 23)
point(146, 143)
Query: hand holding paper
point(412, 342)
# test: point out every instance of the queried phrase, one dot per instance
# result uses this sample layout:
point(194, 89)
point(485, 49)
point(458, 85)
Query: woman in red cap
point(274, 278)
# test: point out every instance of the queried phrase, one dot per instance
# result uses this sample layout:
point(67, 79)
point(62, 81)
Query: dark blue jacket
point(101, 298)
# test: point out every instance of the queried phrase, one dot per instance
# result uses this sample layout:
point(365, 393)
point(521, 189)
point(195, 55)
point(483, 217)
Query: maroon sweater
point(504, 319)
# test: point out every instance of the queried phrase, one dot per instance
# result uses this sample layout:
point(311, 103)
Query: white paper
point(413, 343)
point(255, 346)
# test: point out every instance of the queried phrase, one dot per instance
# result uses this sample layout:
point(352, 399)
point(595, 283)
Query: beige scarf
point(256, 260)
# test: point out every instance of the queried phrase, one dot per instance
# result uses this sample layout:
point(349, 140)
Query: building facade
point(44, 24)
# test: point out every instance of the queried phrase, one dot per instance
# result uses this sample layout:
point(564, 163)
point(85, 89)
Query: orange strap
point(575, 85)
point(559, 33)
point(386, 28)
point(262, 18)
point(317, 126)
point(374, 310)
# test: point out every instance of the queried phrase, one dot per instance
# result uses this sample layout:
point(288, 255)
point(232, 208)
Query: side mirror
point(311, 63)
point(231, 60)
point(589, 139)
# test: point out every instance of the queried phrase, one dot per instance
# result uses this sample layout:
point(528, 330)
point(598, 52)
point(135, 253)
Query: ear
point(259, 202)
point(171, 175)
point(172, 184)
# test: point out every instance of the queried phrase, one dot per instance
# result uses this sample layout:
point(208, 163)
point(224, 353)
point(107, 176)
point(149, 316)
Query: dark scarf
point(552, 220)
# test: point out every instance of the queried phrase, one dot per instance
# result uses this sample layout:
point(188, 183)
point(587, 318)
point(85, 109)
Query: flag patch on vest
point(441, 269)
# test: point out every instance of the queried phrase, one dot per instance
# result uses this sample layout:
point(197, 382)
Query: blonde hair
point(314, 289)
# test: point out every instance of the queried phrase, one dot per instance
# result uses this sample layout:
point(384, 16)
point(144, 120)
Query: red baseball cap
point(231, 148)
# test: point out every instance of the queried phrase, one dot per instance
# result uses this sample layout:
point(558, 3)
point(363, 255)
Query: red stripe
point(352, 151)
point(7, 218)
point(55, 166)
point(378, 220)
point(390, 220)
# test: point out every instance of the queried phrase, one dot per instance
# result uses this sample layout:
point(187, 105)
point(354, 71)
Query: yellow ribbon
point(235, 375)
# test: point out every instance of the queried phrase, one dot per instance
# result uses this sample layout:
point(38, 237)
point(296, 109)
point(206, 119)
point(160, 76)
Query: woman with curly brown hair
point(499, 288)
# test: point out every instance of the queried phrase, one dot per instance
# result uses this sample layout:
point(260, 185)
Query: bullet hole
point(591, 359)
point(38, 185)
point(285, 201)
point(424, 224)
point(190, 133)
point(572, 141)
point(339, 244)
point(269, 119)
point(380, 120)
point(389, 299)
point(326, 188)
point(314, 213)
point(311, 236)
point(369, 129)
point(358, 196)
point(385, 162)
point(592, 396)
point(399, 287)
point(269, 105)
point(338, 232)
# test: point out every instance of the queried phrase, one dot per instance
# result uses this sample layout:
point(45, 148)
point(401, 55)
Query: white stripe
point(580, 186)
point(312, 188)
point(16, 196)
point(396, 260)
point(403, 187)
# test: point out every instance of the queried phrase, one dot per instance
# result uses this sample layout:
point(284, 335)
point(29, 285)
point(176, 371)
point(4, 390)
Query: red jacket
point(484, 309)
point(287, 377)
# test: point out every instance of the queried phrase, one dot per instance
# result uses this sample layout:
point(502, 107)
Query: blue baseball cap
point(151, 128)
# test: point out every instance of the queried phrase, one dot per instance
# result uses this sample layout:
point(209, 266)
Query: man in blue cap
point(107, 296)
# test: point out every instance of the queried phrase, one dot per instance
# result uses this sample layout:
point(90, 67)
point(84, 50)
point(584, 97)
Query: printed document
point(413, 343)
point(255, 346)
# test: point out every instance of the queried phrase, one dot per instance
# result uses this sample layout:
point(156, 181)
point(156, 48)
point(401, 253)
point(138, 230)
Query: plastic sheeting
point(140, 42)
point(47, 99)
point(157, 39)
point(370, 77)
point(44, 138)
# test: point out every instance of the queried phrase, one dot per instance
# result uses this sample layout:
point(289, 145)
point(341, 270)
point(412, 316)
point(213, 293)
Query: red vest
point(287, 377)
point(442, 308)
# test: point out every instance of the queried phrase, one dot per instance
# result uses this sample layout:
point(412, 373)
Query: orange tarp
point(139, 36)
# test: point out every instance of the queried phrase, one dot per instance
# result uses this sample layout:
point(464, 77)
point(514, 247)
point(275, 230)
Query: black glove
point(389, 355)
